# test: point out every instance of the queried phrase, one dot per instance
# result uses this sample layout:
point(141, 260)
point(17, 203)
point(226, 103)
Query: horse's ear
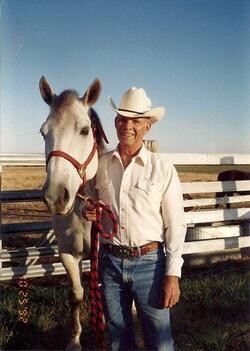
point(92, 94)
point(46, 90)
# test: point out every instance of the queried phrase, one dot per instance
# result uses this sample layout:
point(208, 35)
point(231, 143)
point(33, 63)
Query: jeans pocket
point(155, 255)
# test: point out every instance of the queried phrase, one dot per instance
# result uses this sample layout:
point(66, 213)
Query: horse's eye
point(84, 131)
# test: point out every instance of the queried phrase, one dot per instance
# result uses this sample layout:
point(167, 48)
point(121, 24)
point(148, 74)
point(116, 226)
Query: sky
point(190, 56)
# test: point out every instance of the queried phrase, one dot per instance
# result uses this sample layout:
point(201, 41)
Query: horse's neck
point(72, 229)
point(101, 150)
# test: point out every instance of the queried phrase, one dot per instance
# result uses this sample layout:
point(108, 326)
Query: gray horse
point(71, 133)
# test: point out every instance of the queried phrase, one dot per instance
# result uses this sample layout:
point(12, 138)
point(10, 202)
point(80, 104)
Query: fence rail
point(20, 195)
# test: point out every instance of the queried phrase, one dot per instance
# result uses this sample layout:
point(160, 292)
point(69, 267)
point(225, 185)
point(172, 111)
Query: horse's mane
point(97, 127)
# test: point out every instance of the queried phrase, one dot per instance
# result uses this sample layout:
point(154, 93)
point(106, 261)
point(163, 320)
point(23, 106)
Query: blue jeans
point(139, 279)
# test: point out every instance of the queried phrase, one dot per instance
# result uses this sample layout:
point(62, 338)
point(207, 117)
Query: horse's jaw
point(67, 211)
point(92, 168)
point(59, 211)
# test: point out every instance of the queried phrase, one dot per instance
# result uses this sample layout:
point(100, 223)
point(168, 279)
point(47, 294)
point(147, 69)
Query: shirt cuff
point(174, 240)
point(173, 267)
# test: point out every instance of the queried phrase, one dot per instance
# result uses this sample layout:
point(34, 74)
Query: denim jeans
point(139, 279)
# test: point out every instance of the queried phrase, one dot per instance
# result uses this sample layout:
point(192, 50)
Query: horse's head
point(69, 144)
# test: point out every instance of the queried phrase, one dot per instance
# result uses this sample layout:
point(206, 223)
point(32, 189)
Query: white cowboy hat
point(135, 103)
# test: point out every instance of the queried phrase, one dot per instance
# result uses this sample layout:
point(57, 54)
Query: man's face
point(131, 131)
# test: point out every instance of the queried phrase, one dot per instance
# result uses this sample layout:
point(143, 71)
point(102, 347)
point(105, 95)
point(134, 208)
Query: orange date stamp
point(23, 310)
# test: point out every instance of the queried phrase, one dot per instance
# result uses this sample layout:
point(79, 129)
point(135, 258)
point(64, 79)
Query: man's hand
point(171, 291)
point(89, 211)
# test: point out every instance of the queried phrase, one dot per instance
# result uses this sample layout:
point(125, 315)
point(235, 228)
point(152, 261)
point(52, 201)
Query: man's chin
point(127, 141)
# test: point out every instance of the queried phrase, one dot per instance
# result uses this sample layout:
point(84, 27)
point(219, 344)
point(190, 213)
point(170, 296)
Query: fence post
point(151, 145)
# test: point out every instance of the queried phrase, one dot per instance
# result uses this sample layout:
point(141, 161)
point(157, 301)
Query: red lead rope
point(96, 317)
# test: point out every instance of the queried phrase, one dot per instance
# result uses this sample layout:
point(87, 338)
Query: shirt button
point(123, 209)
point(122, 227)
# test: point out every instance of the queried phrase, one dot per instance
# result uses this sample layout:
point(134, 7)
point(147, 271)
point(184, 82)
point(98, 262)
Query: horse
point(71, 132)
point(232, 175)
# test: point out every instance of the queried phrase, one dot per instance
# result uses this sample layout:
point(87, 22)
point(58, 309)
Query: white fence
point(210, 229)
point(178, 159)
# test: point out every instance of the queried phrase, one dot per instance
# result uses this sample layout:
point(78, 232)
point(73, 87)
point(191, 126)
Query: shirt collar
point(140, 158)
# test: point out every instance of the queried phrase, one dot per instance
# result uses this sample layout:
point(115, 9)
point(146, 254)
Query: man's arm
point(174, 239)
point(175, 231)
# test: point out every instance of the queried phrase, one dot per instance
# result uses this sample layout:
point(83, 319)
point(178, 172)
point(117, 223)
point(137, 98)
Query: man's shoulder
point(160, 158)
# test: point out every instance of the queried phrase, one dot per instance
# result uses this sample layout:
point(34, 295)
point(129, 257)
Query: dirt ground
point(19, 178)
point(23, 178)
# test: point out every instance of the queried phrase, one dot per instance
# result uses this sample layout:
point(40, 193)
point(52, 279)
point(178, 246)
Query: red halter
point(80, 167)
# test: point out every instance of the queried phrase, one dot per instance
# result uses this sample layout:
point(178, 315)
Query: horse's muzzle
point(57, 199)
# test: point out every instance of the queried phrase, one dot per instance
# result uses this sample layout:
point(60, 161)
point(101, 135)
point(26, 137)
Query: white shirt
point(147, 200)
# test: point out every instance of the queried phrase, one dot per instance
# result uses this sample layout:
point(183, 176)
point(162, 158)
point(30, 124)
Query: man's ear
point(147, 128)
point(115, 121)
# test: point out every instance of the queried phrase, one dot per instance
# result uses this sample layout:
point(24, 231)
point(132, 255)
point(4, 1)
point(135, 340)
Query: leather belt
point(124, 251)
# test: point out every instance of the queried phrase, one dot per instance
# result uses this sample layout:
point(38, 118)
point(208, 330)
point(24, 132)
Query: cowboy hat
point(135, 103)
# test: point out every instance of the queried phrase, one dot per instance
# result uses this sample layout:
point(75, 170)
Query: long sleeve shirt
point(147, 200)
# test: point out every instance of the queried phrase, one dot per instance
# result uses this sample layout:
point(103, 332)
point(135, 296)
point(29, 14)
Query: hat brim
point(155, 114)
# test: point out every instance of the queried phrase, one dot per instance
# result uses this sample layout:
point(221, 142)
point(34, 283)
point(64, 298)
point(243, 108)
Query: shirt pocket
point(150, 187)
point(148, 196)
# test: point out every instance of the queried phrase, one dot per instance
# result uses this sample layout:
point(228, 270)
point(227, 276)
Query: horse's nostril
point(63, 198)
point(66, 195)
point(56, 198)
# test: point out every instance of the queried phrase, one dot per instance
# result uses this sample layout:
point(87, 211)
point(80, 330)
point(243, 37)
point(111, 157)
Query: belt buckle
point(139, 251)
point(126, 251)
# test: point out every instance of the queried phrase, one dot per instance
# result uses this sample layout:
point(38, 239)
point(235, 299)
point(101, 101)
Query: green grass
point(213, 313)
point(48, 319)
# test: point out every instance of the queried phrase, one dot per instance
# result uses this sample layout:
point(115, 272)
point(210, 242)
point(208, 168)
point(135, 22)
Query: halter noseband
point(80, 167)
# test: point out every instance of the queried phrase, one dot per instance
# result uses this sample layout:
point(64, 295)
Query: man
point(143, 262)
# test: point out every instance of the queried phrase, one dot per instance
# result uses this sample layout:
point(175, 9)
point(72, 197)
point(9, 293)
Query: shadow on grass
point(29, 337)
